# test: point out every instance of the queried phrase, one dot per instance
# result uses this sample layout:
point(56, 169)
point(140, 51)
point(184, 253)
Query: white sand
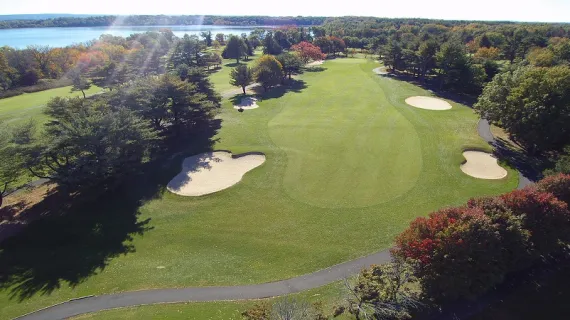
point(428, 103)
point(212, 171)
point(247, 103)
point(315, 63)
point(482, 165)
point(380, 71)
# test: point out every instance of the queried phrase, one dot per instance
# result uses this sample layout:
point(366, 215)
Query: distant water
point(61, 37)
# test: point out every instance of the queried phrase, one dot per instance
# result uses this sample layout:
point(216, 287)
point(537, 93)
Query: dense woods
point(160, 20)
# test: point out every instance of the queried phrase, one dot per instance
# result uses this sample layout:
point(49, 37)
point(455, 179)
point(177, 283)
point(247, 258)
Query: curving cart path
point(484, 130)
point(196, 294)
point(257, 291)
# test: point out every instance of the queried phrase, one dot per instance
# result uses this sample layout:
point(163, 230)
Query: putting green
point(346, 145)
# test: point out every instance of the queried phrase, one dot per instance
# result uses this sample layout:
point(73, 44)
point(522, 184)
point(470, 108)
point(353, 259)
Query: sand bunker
point(380, 71)
point(482, 165)
point(212, 171)
point(247, 103)
point(315, 63)
point(428, 103)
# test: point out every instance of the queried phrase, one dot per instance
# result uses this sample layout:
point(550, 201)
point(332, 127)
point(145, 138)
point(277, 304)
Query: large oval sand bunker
point(212, 171)
point(482, 165)
point(428, 103)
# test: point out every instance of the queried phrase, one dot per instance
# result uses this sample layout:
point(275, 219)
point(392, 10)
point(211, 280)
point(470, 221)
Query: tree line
point(160, 20)
point(108, 61)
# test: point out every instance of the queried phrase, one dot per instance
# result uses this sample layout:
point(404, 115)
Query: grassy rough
point(30, 105)
point(290, 216)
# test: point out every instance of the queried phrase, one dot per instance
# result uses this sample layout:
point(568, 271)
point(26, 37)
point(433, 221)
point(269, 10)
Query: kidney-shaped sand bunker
point(212, 171)
point(482, 165)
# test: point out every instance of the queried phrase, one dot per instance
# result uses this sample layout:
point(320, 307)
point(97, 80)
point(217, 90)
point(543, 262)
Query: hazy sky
point(517, 10)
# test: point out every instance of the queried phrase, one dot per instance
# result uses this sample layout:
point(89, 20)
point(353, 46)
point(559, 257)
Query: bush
point(543, 215)
point(385, 292)
point(558, 185)
point(458, 250)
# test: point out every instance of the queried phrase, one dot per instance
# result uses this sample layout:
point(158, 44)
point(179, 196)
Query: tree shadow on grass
point(432, 84)
point(75, 237)
point(293, 85)
point(72, 242)
point(315, 69)
point(530, 166)
point(233, 64)
point(236, 99)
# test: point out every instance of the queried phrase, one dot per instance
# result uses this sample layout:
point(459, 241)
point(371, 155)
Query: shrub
point(558, 185)
point(260, 311)
point(458, 250)
point(543, 215)
point(384, 291)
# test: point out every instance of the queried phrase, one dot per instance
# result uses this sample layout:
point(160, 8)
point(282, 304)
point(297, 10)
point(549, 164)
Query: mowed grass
point(269, 227)
point(30, 105)
point(346, 145)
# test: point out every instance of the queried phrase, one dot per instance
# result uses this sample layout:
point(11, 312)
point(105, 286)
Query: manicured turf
point(29, 105)
point(329, 191)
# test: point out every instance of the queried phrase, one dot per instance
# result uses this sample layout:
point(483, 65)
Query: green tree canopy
point(291, 63)
point(235, 49)
point(268, 71)
point(241, 76)
point(532, 104)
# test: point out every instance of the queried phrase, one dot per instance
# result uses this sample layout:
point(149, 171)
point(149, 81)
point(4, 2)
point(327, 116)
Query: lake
point(61, 37)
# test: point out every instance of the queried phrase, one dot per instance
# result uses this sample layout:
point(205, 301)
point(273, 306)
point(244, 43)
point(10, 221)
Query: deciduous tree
point(458, 253)
point(291, 63)
point(241, 76)
point(532, 104)
point(268, 71)
point(207, 35)
point(270, 45)
point(80, 82)
point(235, 49)
point(307, 51)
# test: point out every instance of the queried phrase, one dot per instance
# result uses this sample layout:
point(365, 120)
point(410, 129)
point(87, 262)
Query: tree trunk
point(243, 87)
point(84, 97)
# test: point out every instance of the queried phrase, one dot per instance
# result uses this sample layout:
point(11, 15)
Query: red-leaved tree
point(558, 185)
point(307, 51)
point(515, 239)
point(543, 215)
point(458, 253)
